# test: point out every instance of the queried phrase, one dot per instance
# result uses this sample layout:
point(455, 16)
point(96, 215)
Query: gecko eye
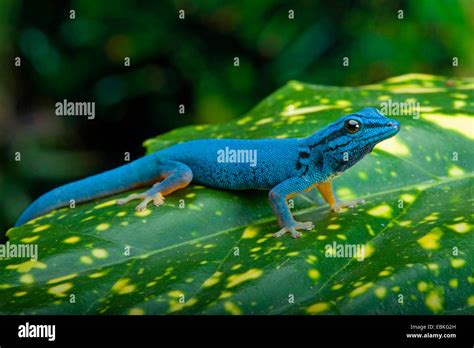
point(352, 126)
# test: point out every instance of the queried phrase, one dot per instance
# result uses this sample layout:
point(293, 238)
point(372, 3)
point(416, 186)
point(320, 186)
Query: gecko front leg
point(278, 198)
point(325, 188)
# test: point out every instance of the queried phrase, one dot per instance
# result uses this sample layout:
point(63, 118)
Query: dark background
point(188, 62)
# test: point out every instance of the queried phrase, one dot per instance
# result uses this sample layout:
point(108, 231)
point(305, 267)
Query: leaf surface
point(208, 251)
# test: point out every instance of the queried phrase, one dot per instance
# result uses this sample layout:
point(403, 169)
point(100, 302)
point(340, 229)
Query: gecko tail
point(135, 174)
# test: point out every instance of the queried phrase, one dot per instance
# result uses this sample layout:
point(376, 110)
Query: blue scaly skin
point(286, 167)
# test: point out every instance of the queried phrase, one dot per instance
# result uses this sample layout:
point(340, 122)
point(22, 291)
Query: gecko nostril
point(393, 124)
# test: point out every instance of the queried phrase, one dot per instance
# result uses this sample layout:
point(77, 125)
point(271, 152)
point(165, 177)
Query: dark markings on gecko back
point(305, 171)
point(304, 154)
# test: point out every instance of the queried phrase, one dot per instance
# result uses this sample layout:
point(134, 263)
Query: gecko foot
point(308, 225)
point(130, 198)
point(157, 199)
point(352, 204)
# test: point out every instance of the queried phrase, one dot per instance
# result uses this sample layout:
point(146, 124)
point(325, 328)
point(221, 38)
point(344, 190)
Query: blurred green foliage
point(188, 61)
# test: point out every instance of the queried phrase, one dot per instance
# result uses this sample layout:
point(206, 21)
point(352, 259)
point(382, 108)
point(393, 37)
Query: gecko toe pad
point(352, 204)
point(308, 225)
point(130, 198)
point(158, 199)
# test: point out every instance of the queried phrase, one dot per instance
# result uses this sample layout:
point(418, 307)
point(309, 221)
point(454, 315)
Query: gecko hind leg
point(176, 176)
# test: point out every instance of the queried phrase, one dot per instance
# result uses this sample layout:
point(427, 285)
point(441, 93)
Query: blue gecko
point(285, 167)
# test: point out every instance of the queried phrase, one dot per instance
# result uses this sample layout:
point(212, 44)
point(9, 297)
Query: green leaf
point(208, 251)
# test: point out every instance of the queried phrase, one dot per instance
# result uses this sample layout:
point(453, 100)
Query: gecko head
point(368, 127)
point(351, 137)
point(360, 132)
